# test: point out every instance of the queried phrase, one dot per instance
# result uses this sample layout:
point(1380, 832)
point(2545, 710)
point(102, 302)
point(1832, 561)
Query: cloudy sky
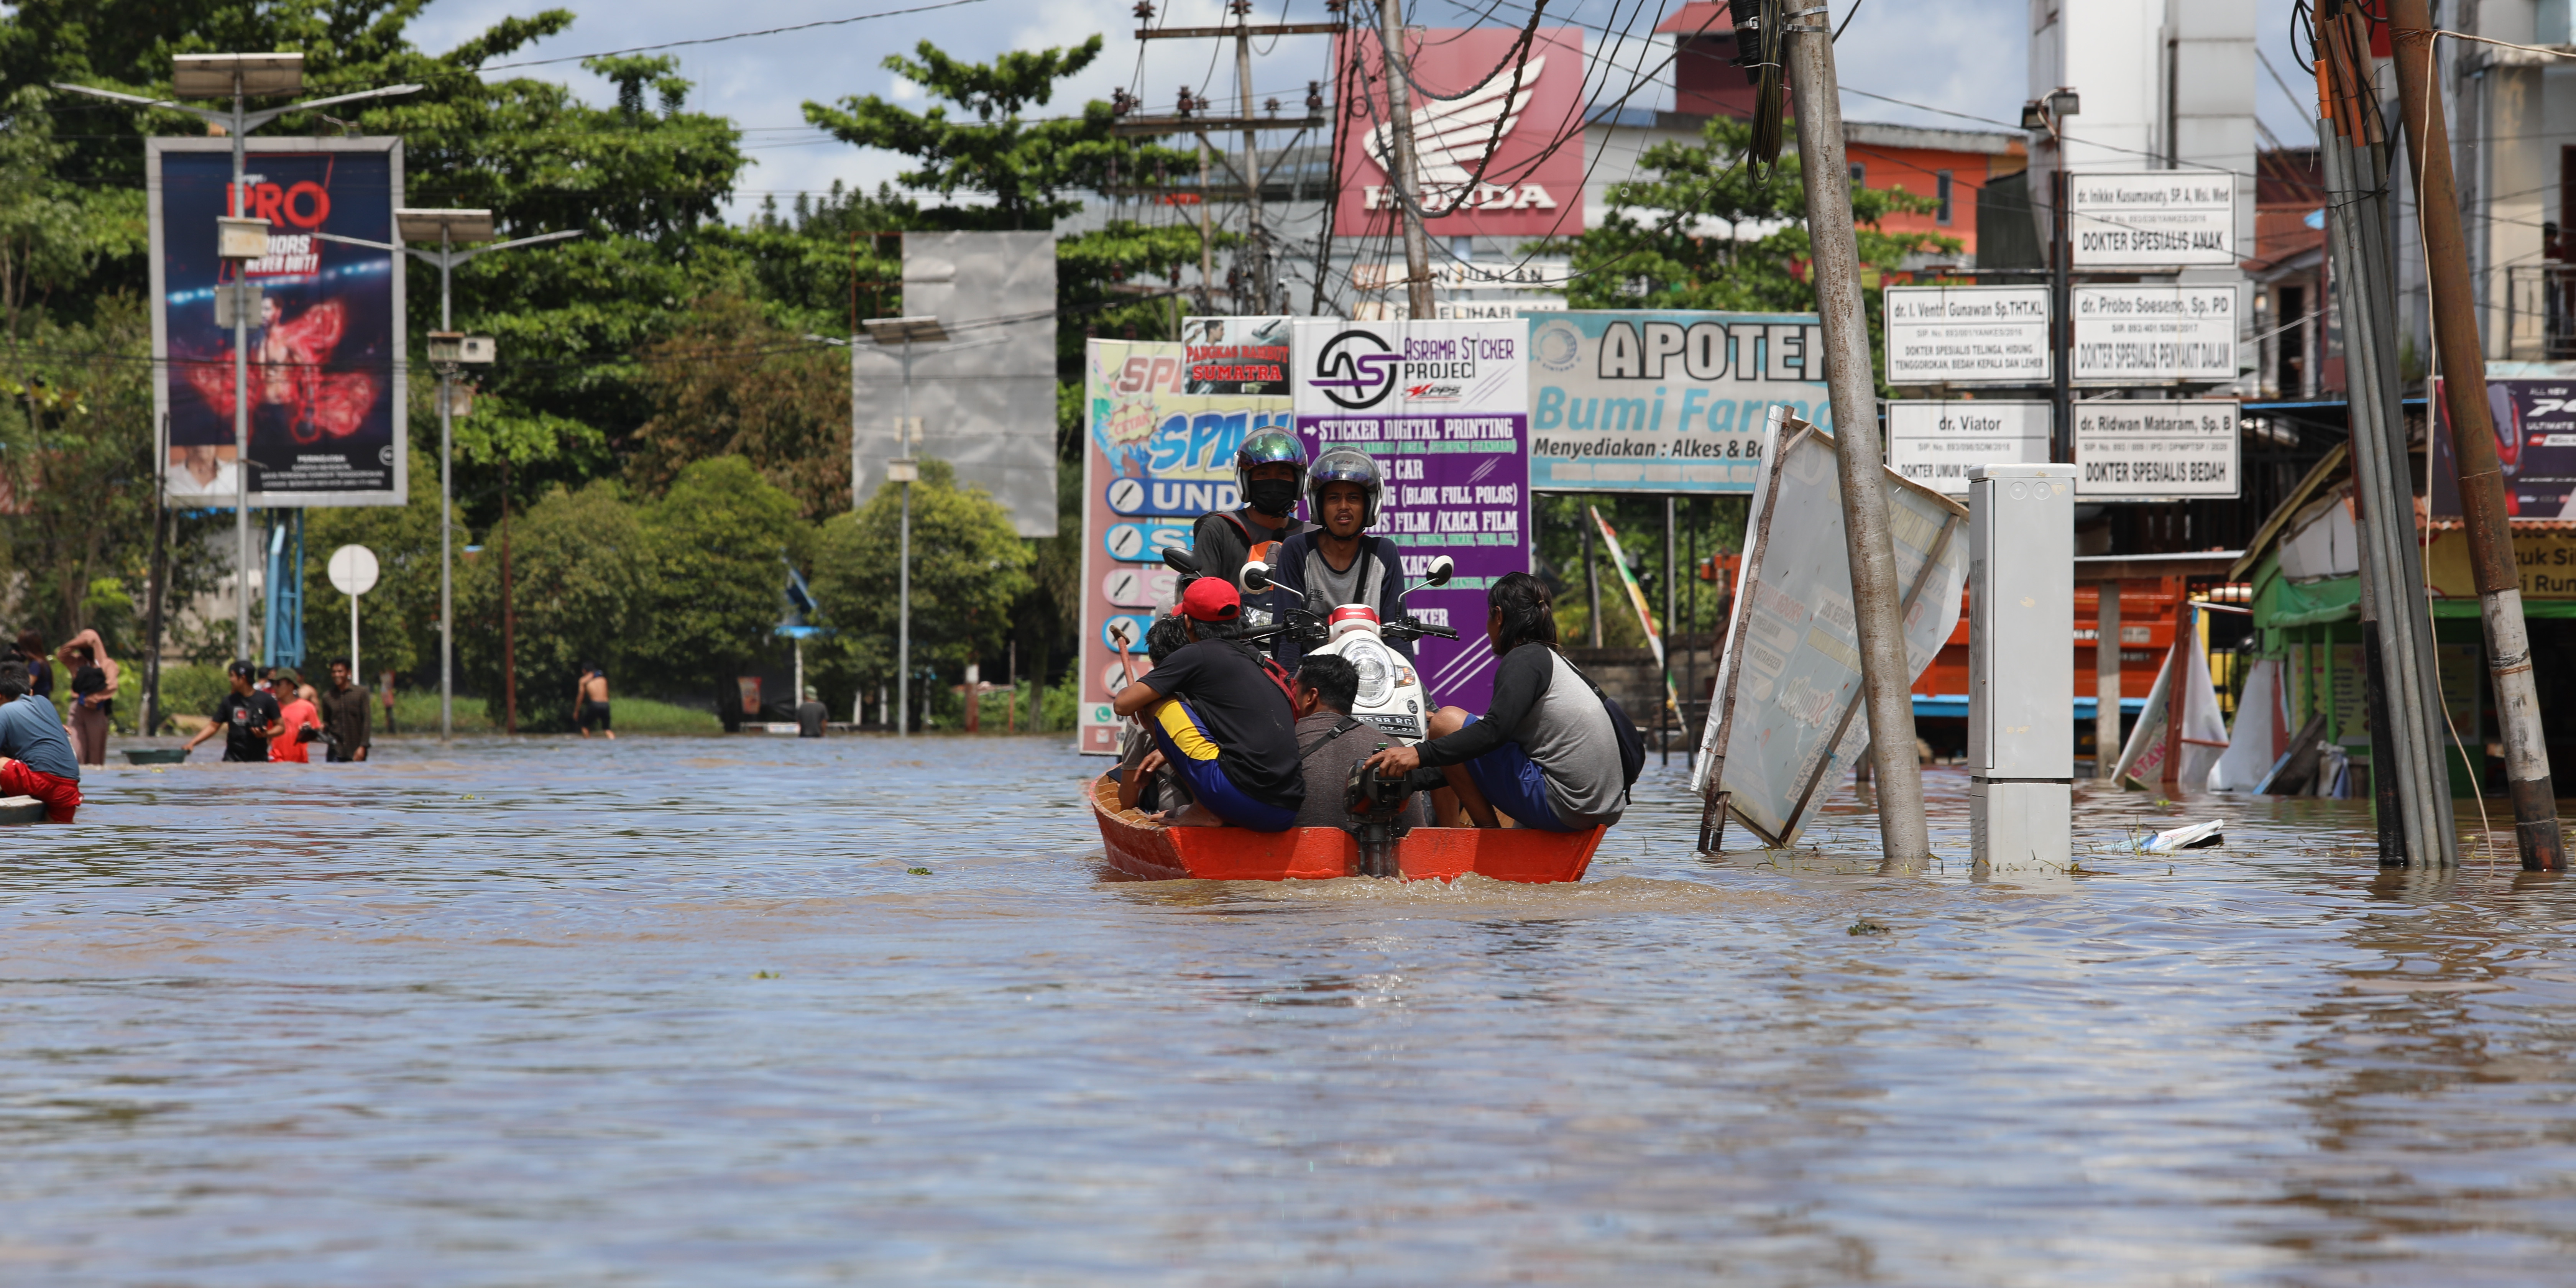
point(1964, 56)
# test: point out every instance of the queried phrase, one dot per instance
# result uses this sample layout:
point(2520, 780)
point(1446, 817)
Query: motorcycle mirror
point(1256, 577)
point(1438, 574)
point(1181, 561)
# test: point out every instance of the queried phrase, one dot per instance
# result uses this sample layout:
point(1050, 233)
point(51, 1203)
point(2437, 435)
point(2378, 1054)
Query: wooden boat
point(1158, 853)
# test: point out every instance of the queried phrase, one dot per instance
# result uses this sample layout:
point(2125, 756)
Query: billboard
point(1466, 105)
point(1236, 356)
point(2535, 429)
point(1158, 452)
point(1642, 401)
point(1444, 406)
point(328, 383)
point(986, 395)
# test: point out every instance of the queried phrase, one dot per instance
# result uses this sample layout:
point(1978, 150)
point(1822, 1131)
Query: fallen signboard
point(1787, 709)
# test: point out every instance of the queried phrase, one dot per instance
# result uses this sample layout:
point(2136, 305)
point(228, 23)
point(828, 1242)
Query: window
point(1860, 175)
point(1941, 194)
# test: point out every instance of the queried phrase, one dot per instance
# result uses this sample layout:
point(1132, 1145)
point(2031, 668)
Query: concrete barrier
point(21, 809)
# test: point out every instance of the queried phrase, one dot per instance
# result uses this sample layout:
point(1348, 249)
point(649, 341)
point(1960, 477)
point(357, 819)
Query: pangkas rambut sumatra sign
point(1466, 91)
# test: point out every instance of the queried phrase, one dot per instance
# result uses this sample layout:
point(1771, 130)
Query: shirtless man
point(590, 701)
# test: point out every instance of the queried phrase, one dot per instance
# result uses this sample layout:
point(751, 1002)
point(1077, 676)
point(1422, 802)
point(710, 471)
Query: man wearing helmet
point(1268, 468)
point(1339, 563)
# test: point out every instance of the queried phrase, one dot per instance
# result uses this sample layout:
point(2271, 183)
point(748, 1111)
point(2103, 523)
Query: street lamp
point(906, 470)
point(239, 238)
point(446, 350)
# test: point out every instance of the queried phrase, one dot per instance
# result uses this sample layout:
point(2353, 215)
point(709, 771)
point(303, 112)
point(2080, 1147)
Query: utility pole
point(1408, 195)
point(1904, 838)
point(904, 469)
point(1255, 253)
point(238, 77)
point(2473, 446)
point(447, 349)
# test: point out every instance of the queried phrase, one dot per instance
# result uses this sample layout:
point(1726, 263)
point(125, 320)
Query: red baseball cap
point(1210, 599)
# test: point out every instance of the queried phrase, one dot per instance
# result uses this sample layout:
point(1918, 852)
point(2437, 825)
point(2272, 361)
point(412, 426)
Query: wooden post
point(2482, 495)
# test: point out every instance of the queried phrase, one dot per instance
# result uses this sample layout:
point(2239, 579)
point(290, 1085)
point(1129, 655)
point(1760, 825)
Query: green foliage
point(715, 539)
point(1704, 526)
point(1688, 237)
point(1027, 168)
point(731, 383)
point(578, 589)
point(398, 620)
point(969, 568)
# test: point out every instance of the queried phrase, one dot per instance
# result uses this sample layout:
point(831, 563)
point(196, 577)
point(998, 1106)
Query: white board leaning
point(1937, 443)
point(1787, 710)
point(1966, 335)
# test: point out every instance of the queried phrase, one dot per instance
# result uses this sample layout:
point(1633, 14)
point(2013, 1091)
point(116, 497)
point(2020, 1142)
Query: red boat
point(1159, 853)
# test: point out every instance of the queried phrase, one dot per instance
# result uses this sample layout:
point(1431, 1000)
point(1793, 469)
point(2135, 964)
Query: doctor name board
point(1937, 443)
point(2158, 219)
point(2156, 451)
point(1959, 335)
point(2138, 335)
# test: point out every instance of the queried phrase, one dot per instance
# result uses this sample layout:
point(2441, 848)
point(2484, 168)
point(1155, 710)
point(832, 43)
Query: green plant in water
point(1865, 926)
point(918, 872)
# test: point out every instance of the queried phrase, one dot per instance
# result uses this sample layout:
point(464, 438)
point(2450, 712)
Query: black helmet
point(1267, 447)
point(1346, 465)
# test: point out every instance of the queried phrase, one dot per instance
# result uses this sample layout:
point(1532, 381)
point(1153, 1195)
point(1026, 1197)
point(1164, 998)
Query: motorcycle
point(1391, 694)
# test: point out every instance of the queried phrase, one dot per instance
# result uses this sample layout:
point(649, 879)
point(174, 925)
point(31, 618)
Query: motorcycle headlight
point(1377, 673)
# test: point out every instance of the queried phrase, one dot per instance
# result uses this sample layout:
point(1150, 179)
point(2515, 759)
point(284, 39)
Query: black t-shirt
point(1244, 713)
point(244, 717)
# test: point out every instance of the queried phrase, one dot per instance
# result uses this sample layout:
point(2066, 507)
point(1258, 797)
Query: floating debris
point(2198, 836)
point(918, 872)
point(1865, 926)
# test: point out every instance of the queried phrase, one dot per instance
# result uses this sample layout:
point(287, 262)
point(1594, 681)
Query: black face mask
point(1272, 496)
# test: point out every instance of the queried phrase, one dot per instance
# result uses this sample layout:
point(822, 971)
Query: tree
point(1704, 233)
point(969, 567)
point(731, 383)
point(579, 571)
point(714, 578)
point(1025, 167)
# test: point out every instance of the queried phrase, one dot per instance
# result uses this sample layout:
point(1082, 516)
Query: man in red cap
point(1220, 721)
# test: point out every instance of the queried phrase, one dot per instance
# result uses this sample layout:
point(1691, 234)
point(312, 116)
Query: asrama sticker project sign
point(2155, 451)
point(327, 379)
point(1156, 456)
point(2159, 219)
point(1489, 134)
point(1665, 402)
point(1443, 406)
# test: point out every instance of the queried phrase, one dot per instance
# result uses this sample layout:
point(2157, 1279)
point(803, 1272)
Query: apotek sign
point(1497, 139)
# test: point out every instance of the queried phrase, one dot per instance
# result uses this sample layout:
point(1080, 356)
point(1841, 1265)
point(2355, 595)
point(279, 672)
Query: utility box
point(2021, 665)
point(237, 304)
point(240, 237)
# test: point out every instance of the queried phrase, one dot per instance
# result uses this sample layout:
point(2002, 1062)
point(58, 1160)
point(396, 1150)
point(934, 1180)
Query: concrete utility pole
point(2473, 446)
point(904, 469)
point(1255, 253)
point(1904, 838)
point(238, 77)
point(1408, 194)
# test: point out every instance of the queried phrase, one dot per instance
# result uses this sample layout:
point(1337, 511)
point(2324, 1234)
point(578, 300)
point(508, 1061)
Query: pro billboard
point(328, 382)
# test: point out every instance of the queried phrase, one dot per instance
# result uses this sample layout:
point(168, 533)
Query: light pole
point(240, 238)
point(906, 470)
point(447, 349)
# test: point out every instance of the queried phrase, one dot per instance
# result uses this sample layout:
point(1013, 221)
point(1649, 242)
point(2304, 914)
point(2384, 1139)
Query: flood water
point(674, 1011)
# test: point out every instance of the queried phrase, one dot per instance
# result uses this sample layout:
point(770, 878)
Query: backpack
point(1632, 743)
point(1278, 675)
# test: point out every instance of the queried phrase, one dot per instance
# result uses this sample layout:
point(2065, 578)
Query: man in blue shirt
point(35, 755)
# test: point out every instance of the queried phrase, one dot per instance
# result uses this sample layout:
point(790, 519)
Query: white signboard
point(2159, 219)
point(1787, 714)
point(1962, 335)
point(1935, 443)
point(2140, 335)
point(2156, 451)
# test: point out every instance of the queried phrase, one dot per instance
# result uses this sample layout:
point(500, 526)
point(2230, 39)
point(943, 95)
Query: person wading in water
point(590, 702)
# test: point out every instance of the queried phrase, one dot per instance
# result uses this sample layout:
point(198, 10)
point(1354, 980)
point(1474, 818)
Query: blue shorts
point(1514, 784)
point(1193, 755)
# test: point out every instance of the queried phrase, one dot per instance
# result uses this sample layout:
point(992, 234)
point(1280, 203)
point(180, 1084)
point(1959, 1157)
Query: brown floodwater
point(676, 1012)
